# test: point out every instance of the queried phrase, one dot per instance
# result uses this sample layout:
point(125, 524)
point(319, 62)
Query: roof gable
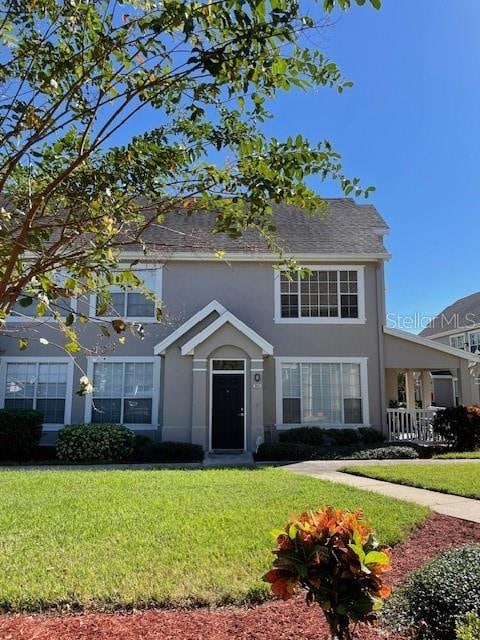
point(464, 314)
point(211, 307)
point(227, 317)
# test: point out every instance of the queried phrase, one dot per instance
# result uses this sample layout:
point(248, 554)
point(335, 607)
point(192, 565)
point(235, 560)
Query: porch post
point(200, 426)
point(410, 389)
point(391, 380)
point(466, 384)
point(426, 382)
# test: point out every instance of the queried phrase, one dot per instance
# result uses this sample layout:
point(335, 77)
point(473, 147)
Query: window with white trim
point(38, 385)
point(122, 392)
point(131, 303)
point(321, 393)
point(458, 342)
point(61, 305)
point(474, 341)
point(323, 293)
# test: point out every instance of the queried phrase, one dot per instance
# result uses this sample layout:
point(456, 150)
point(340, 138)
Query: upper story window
point(129, 303)
point(458, 341)
point(326, 294)
point(60, 305)
point(39, 385)
point(474, 341)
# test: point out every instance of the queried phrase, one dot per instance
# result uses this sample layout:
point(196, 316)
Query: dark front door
point(228, 414)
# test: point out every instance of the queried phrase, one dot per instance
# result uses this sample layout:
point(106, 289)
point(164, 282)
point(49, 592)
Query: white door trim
point(210, 400)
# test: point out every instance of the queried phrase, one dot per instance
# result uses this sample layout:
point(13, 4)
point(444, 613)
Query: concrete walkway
point(456, 506)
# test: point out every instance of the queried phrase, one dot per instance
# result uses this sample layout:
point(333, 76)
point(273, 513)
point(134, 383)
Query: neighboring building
point(243, 348)
point(458, 326)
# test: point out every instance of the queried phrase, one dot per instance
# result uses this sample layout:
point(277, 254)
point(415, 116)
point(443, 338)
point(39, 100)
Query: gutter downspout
point(381, 320)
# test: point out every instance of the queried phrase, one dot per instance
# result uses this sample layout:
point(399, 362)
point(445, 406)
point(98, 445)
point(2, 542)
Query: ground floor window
point(38, 385)
point(122, 392)
point(318, 393)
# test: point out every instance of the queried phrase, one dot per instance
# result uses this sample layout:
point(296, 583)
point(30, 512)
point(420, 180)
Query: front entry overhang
point(404, 350)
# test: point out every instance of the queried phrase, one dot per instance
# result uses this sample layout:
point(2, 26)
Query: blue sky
point(411, 127)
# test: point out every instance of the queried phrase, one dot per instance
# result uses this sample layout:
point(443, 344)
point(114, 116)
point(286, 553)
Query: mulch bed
point(270, 621)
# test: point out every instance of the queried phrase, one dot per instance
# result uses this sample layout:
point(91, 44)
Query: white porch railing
point(411, 424)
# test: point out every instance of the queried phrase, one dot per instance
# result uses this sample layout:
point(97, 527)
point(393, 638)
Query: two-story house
point(458, 325)
point(243, 348)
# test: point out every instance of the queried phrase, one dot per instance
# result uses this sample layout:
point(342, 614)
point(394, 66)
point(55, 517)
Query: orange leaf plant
point(333, 555)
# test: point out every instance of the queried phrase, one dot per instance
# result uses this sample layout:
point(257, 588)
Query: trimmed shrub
point(468, 627)
point(370, 435)
point(460, 426)
point(385, 453)
point(343, 436)
point(322, 437)
point(147, 450)
point(277, 451)
point(303, 435)
point(285, 451)
point(20, 433)
point(437, 595)
point(95, 443)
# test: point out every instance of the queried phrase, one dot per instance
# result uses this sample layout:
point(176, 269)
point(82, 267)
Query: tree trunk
point(338, 626)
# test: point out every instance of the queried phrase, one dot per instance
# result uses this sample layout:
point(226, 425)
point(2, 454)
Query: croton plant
point(333, 555)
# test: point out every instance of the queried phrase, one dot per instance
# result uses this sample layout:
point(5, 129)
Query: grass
point(461, 479)
point(97, 539)
point(459, 455)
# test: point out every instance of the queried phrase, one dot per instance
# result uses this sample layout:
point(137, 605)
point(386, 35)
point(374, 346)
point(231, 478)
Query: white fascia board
point(253, 256)
point(455, 332)
point(426, 342)
point(214, 305)
point(189, 347)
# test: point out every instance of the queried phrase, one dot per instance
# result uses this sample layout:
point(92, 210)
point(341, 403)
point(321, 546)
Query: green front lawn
point(459, 455)
point(100, 538)
point(461, 479)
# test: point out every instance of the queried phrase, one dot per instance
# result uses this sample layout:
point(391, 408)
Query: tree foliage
point(75, 74)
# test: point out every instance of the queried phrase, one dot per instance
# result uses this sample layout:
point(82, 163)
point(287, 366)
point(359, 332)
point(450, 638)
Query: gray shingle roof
point(464, 313)
point(348, 228)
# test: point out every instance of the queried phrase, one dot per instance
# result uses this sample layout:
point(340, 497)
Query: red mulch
point(270, 621)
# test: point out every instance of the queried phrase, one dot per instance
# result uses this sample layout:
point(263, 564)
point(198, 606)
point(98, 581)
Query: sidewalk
point(449, 505)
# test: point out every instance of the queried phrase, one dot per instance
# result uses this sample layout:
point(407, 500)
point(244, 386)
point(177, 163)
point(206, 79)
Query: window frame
point(360, 269)
point(6, 360)
point(469, 335)
point(155, 360)
point(281, 360)
point(25, 319)
point(464, 340)
point(157, 290)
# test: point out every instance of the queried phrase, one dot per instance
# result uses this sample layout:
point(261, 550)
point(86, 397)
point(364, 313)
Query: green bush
point(303, 435)
point(437, 595)
point(285, 451)
point(278, 451)
point(20, 433)
point(147, 450)
point(369, 435)
point(343, 436)
point(468, 627)
point(324, 437)
point(95, 443)
point(460, 426)
point(385, 453)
